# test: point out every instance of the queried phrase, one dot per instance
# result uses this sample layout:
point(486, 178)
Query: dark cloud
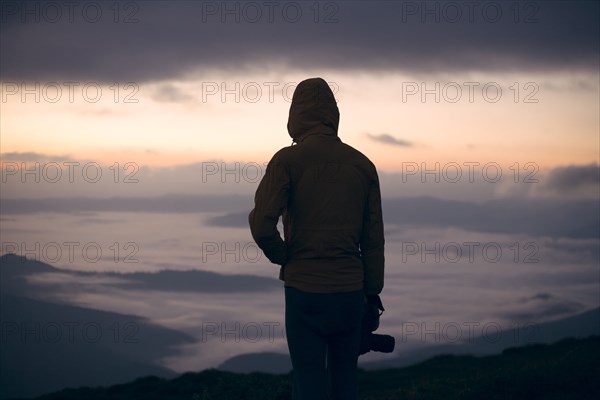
point(153, 40)
point(572, 177)
point(388, 139)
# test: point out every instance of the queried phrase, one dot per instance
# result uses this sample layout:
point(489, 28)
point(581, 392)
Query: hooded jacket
point(328, 195)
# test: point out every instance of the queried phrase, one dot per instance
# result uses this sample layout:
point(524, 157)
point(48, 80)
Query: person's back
point(331, 183)
point(332, 255)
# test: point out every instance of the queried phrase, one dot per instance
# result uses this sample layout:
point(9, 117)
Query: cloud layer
point(156, 40)
point(389, 139)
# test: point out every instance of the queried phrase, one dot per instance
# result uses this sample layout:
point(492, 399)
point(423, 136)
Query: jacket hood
point(313, 110)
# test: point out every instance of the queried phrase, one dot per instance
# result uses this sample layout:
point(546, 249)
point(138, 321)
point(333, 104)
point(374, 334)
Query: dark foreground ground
point(569, 369)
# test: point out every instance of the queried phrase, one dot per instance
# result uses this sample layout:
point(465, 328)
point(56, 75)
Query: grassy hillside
point(568, 369)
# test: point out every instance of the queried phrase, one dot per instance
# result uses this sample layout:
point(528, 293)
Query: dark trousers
point(323, 335)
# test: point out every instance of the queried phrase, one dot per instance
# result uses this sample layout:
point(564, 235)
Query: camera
point(370, 341)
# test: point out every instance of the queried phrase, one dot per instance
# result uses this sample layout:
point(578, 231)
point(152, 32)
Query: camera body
point(370, 341)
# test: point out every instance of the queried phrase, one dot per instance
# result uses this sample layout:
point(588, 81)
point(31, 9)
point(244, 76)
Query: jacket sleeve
point(372, 241)
point(269, 202)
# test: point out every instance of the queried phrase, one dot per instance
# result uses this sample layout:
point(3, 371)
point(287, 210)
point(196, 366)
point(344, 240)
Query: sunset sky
point(181, 83)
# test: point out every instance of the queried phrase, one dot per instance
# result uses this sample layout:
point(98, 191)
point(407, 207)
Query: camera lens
point(382, 343)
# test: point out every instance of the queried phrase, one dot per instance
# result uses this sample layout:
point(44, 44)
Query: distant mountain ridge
point(554, 218)
point(567, 369)
point(14, 269)
point(56, 344)
point(577, 219)
point(581, 325)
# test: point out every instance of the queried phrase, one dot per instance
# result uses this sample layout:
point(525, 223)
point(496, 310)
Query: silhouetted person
point(332, 257)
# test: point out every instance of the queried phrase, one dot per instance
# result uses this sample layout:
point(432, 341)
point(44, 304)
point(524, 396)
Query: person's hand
point(375, 300)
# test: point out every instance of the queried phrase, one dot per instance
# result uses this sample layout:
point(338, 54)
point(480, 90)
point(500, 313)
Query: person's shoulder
point(359, 157)
point(283, 154)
